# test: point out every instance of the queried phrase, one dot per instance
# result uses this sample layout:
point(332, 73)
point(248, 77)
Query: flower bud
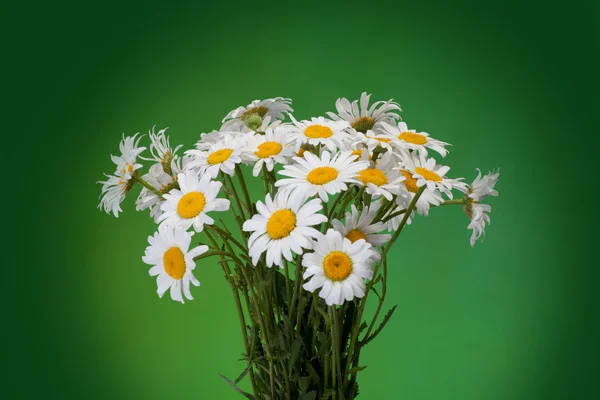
point(254, 121)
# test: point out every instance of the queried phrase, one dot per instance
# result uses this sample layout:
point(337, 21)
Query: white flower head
point(479, 190)
point(365, 118)
point(382, 178)
point(272, 147)
point(319, 131)
point(172, 261)
point(117, 185)
point(163, 182)
point(161, 149)
point(222, 155)
point(359, 225)
point(189, 205)
point(283, 226)
point(321, 175)
point(409, 139)
point(275, 108)
point(339, 267)
point(372, 140)
point(428, 173)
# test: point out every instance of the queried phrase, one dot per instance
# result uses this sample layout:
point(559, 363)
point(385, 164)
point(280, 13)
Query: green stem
point(148, 186)
point(240, 175)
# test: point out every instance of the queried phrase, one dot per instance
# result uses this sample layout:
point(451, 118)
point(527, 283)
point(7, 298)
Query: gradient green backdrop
point(510, 85)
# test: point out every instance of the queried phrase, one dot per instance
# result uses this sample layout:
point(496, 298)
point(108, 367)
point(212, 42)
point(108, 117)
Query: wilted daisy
point(366, 118)
point(172, 261)
point(319, 131)
point(162, 182)
point(428, 173)
point(116, 187)
point(161, 150)
point(189, 205)
point(282, 227)
point(220, 156)
point(271, 148)
point(479, 190)
point(275, 108)
point(339, 267)
point(410, 139)
point(312, 175)
point(381, 178)
point(359, 225)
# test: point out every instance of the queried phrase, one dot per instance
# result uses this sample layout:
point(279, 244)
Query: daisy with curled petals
point(339, 267)
point(189, 205)
point(275, 108)
point(428, 173)
point(283, 227)
point(410, 139)
point(356, 227)
point(380, 178)
point(161, 150)
point(312, 175)
point(479, 190)
point(223, 156)
point(271, 148)
point(172, 261)
point(162, 181)
point(116, 187)
point(365, 118)
point(319, 131)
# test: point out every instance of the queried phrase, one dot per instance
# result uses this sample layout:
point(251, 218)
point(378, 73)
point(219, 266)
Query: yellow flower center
point(219, 156)
point(412, 137)
point(355, 235)
point(128, 168)
point(281, 224)
point(373, 176)
point(428, 175)
point(191, 204)
point(410, 182)
point(174, 262)
point(268, 149)
point(317, 132)
point(322, 175)
point(363, 124)
point(380, 139)
point(337, 266)
point(260, 110)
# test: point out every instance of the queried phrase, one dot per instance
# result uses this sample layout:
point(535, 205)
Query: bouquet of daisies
point(335, 194)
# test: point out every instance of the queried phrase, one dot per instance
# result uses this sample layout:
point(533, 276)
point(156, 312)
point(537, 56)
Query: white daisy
point(161, 181)
point(479, 190)
point(116, 187)
point(427, 199)
point(382, 179)
point(273, 147)
point(428, 173)
point(410, 139)
point(312, 175)
point(319, 131)
point(283, 227)
point(275, 108)
point(339, 267)
point(172, 261)
point(189, 205)
point(356, 227)
point(161, 150)
point(220, 156)
point(371, 140)
point(366, 118)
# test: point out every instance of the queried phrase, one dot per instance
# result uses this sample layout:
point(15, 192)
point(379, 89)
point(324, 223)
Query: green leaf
point(357, 369)
point(245, 372)
point(312, 395)
point(385, 320)
point(237, 389)
point(295, 352)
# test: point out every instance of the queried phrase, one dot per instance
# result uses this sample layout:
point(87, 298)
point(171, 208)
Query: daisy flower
point(381, 179)
point(323, 176)
point(163, 182)
point(428, 173)
point(319, 131)
point(356, 227)
point(479, 190)
point(371, 140)
point(116, 187)
point(427, 199)
point(172, 261)
point(365, 118)
point(220, 156)
point(161, 150)
point(189, 205)
point(271, 148)
point(282, 227)
point(410, 139)
point(275, 108)
point(339, 267)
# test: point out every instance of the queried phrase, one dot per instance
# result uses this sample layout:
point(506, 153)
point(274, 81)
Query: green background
point(510, 85)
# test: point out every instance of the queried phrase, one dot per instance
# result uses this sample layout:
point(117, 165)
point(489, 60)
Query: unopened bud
point(254, 121)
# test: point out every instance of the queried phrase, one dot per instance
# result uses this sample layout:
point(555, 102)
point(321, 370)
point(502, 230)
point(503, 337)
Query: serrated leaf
point(237, 389)
point(385, 320)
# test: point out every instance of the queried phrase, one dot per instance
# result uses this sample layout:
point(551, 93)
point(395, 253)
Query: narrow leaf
point(237, 389)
